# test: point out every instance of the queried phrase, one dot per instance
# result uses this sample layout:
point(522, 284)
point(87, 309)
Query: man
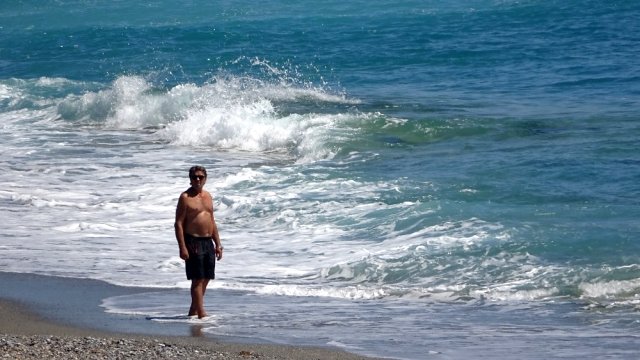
point(195, 228)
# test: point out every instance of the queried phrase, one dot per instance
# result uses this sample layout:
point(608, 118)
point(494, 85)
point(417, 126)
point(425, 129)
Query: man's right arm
point(181, 213)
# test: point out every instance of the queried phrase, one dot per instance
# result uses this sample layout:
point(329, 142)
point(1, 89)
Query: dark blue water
point(478, 153)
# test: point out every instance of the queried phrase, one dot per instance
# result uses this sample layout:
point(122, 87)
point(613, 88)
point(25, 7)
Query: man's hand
point(184, 254)
point(219, 252)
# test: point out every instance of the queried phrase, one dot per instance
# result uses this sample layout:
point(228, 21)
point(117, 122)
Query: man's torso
point(199, 218)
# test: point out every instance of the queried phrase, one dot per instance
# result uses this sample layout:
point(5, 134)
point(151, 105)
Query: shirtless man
point(195, 228)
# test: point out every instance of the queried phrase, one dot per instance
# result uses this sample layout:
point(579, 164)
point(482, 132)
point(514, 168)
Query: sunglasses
point(198, 177)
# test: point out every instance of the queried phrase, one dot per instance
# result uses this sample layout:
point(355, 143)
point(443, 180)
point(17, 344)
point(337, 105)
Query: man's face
point(198, 179)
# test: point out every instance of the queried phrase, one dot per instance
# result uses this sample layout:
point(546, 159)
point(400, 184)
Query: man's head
point(198, 176)
point(195, 169)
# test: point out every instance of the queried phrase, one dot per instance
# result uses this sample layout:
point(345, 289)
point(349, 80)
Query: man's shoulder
point(186, 194)
point(207, 194)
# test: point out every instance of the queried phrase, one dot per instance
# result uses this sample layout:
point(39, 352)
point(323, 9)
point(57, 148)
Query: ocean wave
point(229, 112)
point(274, 114)
point(610, 290)
point(241, 113)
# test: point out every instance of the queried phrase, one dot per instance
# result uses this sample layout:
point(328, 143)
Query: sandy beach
point(43, 317)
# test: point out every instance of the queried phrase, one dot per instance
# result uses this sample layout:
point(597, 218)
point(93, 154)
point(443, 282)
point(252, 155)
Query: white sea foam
point(236, 113)
point(349, 292)
point(612, 288)
point(510, 293)
point(5, 92)
point(53, 82)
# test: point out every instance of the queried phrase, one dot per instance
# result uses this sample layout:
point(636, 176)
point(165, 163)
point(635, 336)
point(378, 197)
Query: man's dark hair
point(193, 169)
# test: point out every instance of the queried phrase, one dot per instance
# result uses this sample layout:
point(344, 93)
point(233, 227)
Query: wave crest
point(229, 112)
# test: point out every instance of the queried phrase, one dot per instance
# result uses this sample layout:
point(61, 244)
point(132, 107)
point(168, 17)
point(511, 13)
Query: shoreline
point(41, 314)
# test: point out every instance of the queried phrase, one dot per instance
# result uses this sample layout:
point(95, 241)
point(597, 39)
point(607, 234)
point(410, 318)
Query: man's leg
point(198, 289)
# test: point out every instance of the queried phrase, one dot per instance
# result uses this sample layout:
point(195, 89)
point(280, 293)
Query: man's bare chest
point(196, 206)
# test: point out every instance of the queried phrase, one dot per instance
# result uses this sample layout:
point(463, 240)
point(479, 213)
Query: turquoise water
point(427, 160)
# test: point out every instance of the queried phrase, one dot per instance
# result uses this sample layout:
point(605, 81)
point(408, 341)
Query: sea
point(410, 179)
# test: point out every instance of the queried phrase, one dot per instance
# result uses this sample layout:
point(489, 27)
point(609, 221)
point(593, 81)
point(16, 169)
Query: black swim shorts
point(202, 257)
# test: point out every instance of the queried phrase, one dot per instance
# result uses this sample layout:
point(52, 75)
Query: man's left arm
point(214, 233)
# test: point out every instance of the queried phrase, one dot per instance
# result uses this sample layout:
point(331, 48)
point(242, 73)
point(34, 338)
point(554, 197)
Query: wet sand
point(45, 317)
